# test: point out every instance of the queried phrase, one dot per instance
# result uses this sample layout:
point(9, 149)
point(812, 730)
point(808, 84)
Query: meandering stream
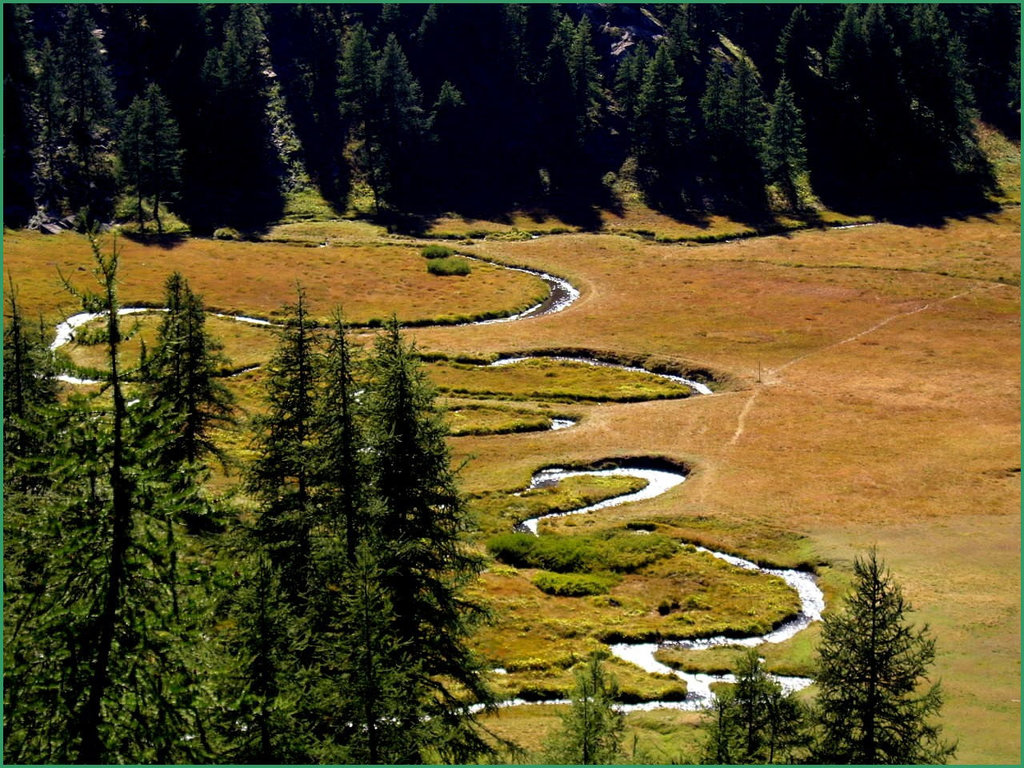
point(658, 481)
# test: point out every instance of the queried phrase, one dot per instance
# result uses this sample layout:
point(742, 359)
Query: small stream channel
point(659, 481)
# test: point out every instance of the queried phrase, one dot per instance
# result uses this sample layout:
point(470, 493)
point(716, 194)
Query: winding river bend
point(812, 600)
point(562, 294)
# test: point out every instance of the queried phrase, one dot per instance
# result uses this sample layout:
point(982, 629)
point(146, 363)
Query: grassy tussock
point(499, 512)
point(552, 380)
point(448, 266)
point(475, 419)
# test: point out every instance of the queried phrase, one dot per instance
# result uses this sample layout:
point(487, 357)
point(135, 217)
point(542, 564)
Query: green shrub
point(436, 252)
point(227, 233)
point(574, 584)
point(451, 265)
point(618, 551)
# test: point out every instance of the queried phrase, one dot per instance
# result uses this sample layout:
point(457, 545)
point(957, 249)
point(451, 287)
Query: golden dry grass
point(872, 398)
point(368, 281)
point(887, 414)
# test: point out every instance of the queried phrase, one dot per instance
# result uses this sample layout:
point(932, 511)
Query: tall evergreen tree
point(88, 110)
point(380, 715)
point(283, 474)
point(420, 525)
point(875, 705)
point(98, 665)
point(396, 129)
point(183, 373)
point(733, 109)
point(356, 90)
point(29, 386)
point(236, 171)
point(340, 493)
point(592, 729)
point(661, 129)
point(754, 721)
point(784, 155)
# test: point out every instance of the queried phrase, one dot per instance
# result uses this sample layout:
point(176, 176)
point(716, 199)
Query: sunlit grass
point(557, 380)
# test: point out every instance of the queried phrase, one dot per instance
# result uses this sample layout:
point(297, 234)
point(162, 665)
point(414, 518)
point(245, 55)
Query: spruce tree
point(101, 591)
point(754, 721)
point(591, 731)
point(283, 474)
point(784, 155)
point(420, 525)
point(875, 702)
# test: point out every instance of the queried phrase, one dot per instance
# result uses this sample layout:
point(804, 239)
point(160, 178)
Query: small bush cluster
point(615, 551)
point(450, 265)
point(436, 252)
point(574, 584)
point(227, 233)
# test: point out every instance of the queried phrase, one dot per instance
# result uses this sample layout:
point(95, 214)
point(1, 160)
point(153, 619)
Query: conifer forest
point(355, 357)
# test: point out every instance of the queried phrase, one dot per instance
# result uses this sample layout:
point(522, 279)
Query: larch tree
point(591, 731)
point(182, 372)
point(420, 523)
point(283, 474)
point(754, 721)
point(784, 154)
point(88, 111)
point(876, 704)
point(102, 595)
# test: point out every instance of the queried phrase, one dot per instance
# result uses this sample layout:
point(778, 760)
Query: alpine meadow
point(511, 383)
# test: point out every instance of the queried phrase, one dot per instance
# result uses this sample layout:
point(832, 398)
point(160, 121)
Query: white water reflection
point(699, 695)
point(658, 482)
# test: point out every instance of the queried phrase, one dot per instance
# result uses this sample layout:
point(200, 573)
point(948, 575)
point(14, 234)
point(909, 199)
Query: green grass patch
point(306, 204)
point(476, 419)
point(553, 380)
point(245, 345)
point(617, 551)
point(448, 266)
point(436, 252)
point(574, 584)
point(499, 511)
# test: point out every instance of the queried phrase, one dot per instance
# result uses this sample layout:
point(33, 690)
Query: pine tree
point(420, 524)
point(784, 155)
point(592, 729)
point(182, 372)
point(283, 474)
point(100, 592)
point(88, 110)
point(753, 721)
point(875, 704)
